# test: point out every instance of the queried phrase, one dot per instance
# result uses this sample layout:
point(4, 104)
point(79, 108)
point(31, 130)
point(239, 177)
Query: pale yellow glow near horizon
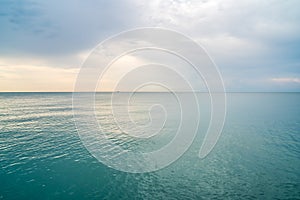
point(32, 78)
point(37, 78)
point(33, 74)
point(23, 78)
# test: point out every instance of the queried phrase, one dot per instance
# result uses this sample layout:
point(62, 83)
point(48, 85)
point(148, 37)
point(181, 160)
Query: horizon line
point(148, 92)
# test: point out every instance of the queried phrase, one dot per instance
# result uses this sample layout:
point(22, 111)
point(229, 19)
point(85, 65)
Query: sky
point(255, 44)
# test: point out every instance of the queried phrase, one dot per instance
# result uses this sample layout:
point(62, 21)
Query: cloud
point(286, 80)
point(250, 40)
point(264, 23)
point(60, 27)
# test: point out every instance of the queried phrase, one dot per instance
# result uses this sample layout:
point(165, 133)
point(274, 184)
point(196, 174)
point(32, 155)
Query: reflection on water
point(257, 156)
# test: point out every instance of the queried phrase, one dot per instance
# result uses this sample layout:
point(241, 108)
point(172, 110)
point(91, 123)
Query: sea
point(257, 155)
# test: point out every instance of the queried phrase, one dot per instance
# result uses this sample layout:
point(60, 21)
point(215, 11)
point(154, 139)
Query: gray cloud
point(251, 41)
point(60, 27)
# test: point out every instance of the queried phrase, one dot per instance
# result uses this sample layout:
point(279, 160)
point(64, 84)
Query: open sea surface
point(256, 157)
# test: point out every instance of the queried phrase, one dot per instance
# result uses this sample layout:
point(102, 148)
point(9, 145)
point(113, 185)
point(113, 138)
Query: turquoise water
point(257, 156)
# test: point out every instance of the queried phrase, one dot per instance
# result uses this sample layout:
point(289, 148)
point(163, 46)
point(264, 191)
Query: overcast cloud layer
point(256, 44)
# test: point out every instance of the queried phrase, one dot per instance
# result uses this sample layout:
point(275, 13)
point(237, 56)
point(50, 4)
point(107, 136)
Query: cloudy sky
point(255, 44)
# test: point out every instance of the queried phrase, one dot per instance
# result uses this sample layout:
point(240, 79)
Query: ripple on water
point(257, 156)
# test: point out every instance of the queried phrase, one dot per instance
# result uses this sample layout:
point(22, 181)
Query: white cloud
point(286, 80)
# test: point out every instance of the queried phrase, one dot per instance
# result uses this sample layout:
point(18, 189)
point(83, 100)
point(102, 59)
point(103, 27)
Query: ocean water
point(256, 157)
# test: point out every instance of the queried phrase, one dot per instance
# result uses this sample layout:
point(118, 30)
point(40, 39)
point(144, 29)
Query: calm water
point(257, 156)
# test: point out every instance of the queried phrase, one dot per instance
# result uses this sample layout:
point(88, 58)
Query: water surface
point(257, 156)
